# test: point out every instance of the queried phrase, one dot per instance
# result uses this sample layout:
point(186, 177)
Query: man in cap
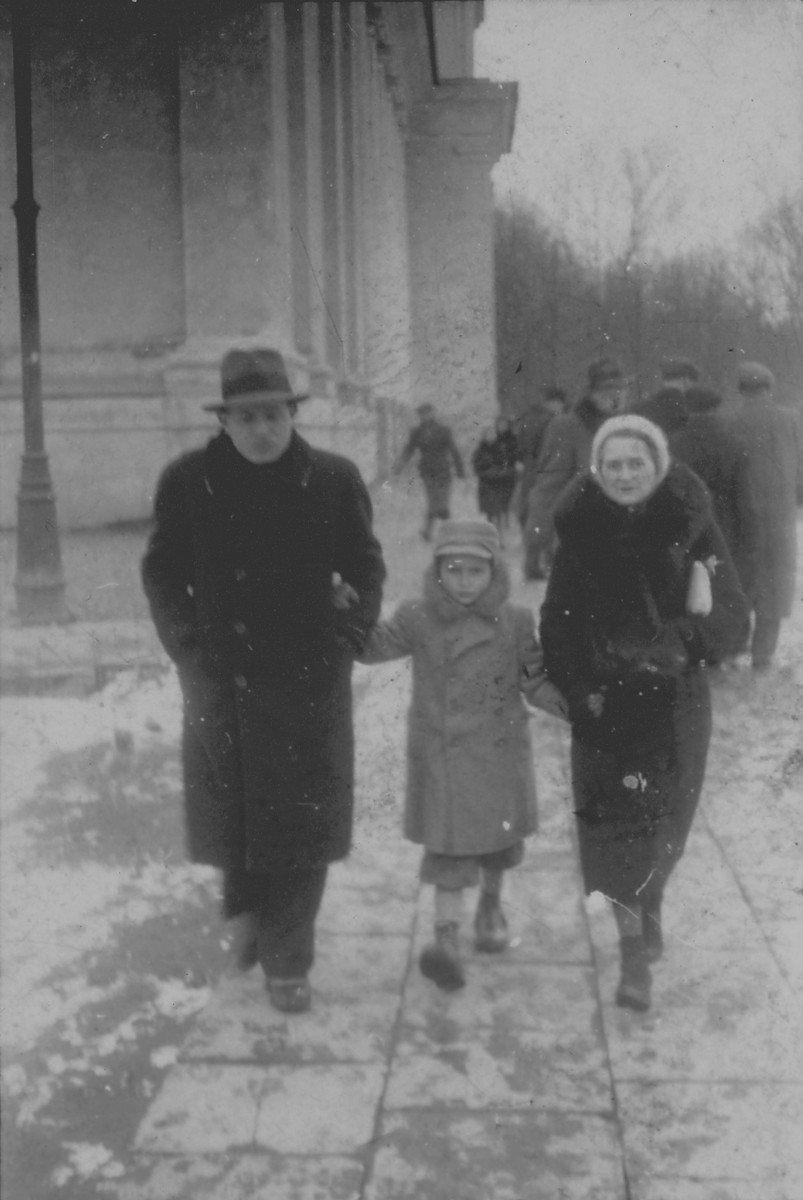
point(565, 452)
point(263, 577)
point(437, 457)
point(772, 436)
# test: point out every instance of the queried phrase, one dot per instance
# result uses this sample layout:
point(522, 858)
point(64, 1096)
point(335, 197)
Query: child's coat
point(470, 780)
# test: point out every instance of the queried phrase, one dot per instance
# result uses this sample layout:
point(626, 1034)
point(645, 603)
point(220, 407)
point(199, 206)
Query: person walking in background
point(705, 441)
point(564, 453)
point(679, 373)
point(438, 459)
point(470, 798)
point(263, 577)
point(774, 444)
point(494, 463)
point(641, 595)
point(529, 430)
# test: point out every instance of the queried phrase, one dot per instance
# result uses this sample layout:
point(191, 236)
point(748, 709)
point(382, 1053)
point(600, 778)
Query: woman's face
point(627, 471)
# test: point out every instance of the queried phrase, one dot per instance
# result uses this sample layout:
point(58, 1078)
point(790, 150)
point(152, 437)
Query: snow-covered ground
point(110, 940)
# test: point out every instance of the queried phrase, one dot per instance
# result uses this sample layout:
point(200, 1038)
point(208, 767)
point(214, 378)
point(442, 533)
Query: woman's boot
point(490, 927)
point(440, 962)
point(651, 928)
point(635, 980)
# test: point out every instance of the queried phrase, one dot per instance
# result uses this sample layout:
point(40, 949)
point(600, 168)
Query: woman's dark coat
point(494, 464)
point(617, 593)
point(238, 573)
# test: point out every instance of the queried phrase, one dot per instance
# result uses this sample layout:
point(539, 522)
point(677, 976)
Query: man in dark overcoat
point(707, 442)
point(772, 436)
point(263, 577)
point(564, 453)
point(438, 458)
point(530, 430)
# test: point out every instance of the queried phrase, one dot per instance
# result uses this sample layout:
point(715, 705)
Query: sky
point(714, 88)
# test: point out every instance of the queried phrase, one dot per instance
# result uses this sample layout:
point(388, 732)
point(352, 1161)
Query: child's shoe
point(635, 981)
point(440, 962)
point(490, 927)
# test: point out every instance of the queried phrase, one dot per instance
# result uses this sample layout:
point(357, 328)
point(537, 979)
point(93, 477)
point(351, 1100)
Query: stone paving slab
point(741, 1131)
point(502, 994)
point(239, 1025)
point(658, 1187)
point(496, 1156)
point(207, 1108)
point(262, 1176)
point(203, 1109)
point(488, 1069)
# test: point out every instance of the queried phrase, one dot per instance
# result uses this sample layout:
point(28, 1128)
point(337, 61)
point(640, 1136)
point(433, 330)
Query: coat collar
point(591, 526)
point(225, 469)
point(466, 626)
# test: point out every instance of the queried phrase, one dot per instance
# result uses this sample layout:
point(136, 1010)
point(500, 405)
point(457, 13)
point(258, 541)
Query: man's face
point(609, 398)
point(260, 429)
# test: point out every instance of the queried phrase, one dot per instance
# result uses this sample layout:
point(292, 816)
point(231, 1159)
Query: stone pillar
point(456, 134)
point(234, 160)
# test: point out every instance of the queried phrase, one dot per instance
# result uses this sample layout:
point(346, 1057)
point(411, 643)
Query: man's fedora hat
point(257, 373)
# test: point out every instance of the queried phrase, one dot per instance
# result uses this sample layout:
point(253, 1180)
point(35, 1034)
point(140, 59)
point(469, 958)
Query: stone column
point(234, 161)
point(456, 134)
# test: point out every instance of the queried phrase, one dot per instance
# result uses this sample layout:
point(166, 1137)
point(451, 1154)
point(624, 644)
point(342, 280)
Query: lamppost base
point(39, 582)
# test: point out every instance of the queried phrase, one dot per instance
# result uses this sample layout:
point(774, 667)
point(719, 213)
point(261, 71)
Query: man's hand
point(343, 594)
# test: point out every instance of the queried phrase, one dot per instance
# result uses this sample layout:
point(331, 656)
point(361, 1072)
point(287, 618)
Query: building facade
point(309, 176)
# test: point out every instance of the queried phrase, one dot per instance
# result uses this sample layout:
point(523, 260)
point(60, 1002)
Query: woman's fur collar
point(486, 606)
point(589, 524)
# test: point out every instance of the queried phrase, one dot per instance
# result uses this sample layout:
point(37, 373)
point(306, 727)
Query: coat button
point(240, 681)
point(240, 629)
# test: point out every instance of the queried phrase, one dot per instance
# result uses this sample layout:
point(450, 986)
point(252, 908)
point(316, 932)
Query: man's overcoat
point(238, 572)
point(772, 435)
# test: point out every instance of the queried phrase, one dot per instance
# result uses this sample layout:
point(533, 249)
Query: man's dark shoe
point(440, 961)
point(490, 926)
point(635, 981)
point(290, 995)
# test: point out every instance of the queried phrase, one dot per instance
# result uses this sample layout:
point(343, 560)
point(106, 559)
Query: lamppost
point(39, 582)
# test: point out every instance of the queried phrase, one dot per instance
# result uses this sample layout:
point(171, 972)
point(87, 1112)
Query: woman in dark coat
point(256, 536)
point(494, 463)
point(642, 595)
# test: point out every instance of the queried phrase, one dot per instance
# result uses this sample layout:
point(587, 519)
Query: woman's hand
point(595, 702)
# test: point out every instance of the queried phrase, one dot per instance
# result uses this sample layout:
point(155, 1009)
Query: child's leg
point(448, 906)
point(491, 881)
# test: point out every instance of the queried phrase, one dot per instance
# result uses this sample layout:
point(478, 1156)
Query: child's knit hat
point(476, 537)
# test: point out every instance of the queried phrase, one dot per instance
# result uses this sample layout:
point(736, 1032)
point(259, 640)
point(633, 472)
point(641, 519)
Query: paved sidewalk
point(527, 1085)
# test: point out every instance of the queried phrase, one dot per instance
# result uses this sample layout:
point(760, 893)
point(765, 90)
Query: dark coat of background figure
point(707, 442)
point(772, 435)
point(494, 463)
point(529, 429)
point(619, 578)
point(564, 453)
point(238, 573)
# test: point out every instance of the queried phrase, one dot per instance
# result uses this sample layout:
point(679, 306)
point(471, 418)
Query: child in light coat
point(470, 798)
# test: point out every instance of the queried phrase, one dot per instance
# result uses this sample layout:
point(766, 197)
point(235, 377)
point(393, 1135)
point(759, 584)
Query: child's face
point(464, 577)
